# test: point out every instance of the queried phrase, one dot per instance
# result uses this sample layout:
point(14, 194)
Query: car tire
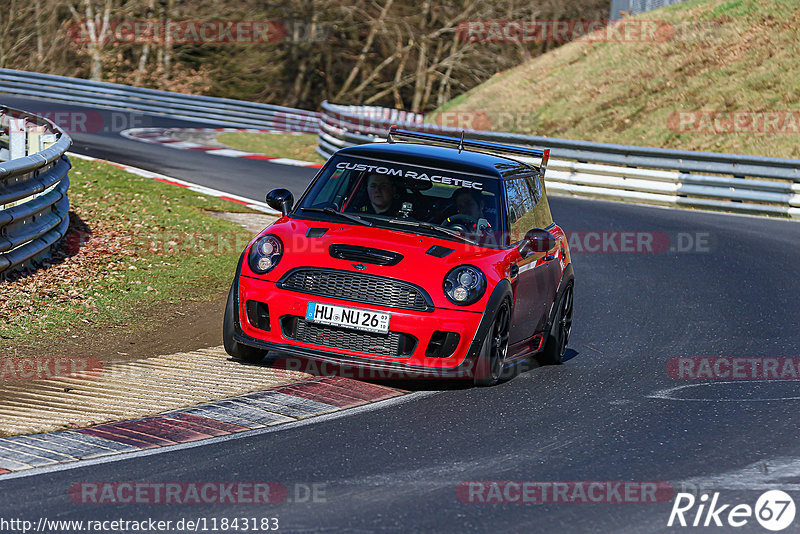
point(558, 337)
point(494, 350)
point(233, 347)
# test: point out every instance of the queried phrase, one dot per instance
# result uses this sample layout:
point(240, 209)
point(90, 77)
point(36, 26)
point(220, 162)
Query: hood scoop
point(365, 255)
point(438, 252)
point(316, 232)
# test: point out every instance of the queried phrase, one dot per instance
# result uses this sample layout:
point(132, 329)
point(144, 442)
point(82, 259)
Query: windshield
point(408, 197)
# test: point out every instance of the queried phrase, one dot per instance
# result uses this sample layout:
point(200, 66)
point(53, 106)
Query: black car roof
point(468, 161)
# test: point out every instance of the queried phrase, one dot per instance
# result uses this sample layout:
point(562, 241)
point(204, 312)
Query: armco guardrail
point(737, 183)
point(221, 111)
point(33, 188)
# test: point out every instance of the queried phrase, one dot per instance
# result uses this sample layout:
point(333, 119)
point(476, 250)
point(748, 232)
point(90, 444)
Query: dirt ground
point(166, 328)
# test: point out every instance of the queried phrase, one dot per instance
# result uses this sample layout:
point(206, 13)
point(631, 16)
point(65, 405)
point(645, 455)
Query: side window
point(333, 190)
point(541, 212)
point(521, 205)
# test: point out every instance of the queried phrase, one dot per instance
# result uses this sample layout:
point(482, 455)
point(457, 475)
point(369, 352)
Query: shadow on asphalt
point(320, 369)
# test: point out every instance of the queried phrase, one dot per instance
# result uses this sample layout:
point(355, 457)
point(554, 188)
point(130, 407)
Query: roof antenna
point(461, 142)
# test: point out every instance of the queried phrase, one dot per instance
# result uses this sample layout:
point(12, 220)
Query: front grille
point(391, 344)
point(356, 287)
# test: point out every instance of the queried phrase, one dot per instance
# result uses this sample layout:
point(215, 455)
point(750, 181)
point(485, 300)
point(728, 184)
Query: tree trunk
point(431, 78)
point(96, 30)
point(145, 54)
point(167, 54)
point(422, 61)
point(444, 82)
point(398, 74)
point(142, 64)
point(39, 40)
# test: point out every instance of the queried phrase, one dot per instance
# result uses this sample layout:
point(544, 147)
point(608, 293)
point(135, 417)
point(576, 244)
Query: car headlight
point(464, 285)
point(265, 254)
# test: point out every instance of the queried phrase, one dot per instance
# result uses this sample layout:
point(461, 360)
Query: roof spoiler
point(461, 143)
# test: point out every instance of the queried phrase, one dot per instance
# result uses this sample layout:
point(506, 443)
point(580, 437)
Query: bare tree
point(145, 54)
point(95, 26)
point(402, 53)
point(375, 25)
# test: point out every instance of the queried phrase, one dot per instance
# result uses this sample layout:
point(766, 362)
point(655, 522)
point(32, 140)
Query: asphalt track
point(609, 413)
point(95, 133)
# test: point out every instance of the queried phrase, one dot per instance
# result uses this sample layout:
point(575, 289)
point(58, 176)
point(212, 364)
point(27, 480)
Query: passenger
point(470, 205)
point(469, 202)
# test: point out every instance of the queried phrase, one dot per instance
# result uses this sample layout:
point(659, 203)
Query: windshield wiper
point(330, 211)
point(433, 227)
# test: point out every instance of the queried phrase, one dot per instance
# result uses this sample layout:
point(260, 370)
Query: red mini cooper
point(426, 256)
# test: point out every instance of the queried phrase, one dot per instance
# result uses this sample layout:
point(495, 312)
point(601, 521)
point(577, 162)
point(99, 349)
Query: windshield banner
point(408, 173)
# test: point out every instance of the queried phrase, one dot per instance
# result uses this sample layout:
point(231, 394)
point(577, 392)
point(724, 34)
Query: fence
point(206, 109)
point(737, 183)
point(33, 188)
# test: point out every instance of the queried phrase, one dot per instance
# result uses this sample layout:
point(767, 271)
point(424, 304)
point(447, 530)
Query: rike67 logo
point(774, 510)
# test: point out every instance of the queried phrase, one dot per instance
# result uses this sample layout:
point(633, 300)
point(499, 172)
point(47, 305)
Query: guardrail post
point(16, 138)
point(35, 139)
point(48, 140)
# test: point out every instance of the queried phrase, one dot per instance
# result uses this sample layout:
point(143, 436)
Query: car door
point(537, 278)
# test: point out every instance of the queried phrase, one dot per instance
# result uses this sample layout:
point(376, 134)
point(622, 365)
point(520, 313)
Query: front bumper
point(284, 304)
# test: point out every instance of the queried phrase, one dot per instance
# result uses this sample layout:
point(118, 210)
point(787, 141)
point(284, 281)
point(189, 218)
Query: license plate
point(355, 318)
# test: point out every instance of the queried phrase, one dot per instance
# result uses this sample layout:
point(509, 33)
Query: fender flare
point(567, 278)
point(502, 291)
point(237, 328)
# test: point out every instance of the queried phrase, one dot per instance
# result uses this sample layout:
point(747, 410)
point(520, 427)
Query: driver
point(383, 197)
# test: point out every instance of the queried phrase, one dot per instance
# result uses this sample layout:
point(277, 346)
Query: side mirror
point(538, 240)
point(281, 200)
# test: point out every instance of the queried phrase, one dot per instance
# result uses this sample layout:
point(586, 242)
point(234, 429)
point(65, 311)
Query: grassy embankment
point(717, 56)
point(135, 246)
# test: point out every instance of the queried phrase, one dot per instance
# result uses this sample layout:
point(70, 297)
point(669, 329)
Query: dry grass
point(301, 147)
point(724, 56)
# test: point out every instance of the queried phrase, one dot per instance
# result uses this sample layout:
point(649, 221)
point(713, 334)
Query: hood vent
point(365, 255)
point(316, 232)
point(438, 252)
